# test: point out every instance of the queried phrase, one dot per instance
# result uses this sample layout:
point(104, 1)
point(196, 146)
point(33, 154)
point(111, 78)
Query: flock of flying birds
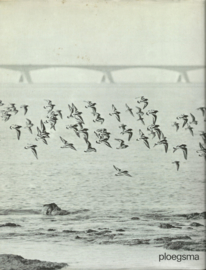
point(102, 135)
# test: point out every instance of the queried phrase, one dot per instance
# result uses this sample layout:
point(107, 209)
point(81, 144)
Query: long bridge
point(25, 71)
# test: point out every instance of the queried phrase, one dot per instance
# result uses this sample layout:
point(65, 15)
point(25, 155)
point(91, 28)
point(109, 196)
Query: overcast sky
point(102, 32)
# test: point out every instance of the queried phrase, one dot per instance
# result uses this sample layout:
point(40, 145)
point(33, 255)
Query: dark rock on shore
point(51, 230)
point(120, 230)
point(186, 245)
point(134, 218)
point(168, 226)
point(15, 262)
point(193, 215)
point(91, 231)
point(52, 209)
point(169, 239)
point(10, 225)
point(195, 224)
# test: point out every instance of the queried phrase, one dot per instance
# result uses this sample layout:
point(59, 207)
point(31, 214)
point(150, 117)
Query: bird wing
point(166, 146)
point(193, 118)
point(94, 110)
point(44, 140)
point(178, 165)
point(30, 130)
point(28, 121)
point(72, 147)
point(106, 143)
point(34, 152)
point(39, 131)
point(98, 135)
point(127, 106)
point(145, 105)
point(79, 118)
point(158, 131)
point(154, 118)
point(185, 152)
point(201, 146)
point(25, 110)
point(130, 136)
point(18, 133)
point(43, 126)
point(184, 122)
point(191, 131)
point(141, 133)
point(118, 117)
point(71, 108)
point(60, 114)
point(114, 108)
point(117, 169)
point(48, 101)
point(146, 143)
point(63, 140)
point(139, 109)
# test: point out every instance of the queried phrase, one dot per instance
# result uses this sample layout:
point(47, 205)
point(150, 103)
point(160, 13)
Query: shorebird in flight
point(163, 142)
point(129, 132)
point(177, 164)
point(25, 107)
point(184, 117)
point(144, 100)
point(75, 128)
point(140, 112)
point(129, 110)
point(143, 138)
point(141, 119)
point(193, 120)
point(154, 114)
point(17, 128)
point(190, 129)
point(202, 151)
point(89, 147)
point(29, 125)
point(98, 118)
point(90, 104)
point(115, 112)
point(67, 145)
point(42, 134)
point(33, 149)
point(176, 124)
point(122, 144)
point(183, 147)
point(120, 172)
point(202, 109)
point(49, 106)
point(203, 135)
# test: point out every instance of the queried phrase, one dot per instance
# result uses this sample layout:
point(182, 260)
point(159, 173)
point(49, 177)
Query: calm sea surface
point(85, 183)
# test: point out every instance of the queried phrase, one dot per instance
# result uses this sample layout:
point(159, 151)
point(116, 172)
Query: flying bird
point(129, 132)
point(143, 138)
point(120, 172)
point(202, 109)
point(154, 114)
point(89, 147)
point(202, 151)
point(17, 128)
point(67, 145)
point(98, 118)
point(29, 125)
point(163, 142)
point(122, 144)
point(177, 164)
point(129, 110)
point(183, 147)
point(139, 112)
point(141, 119)
point(184, 117)
point(193, 120)
point(190, 129)
point(175, 124)
point(33, 149)
point(25, 107)
point(115, 112)
point(144, 100)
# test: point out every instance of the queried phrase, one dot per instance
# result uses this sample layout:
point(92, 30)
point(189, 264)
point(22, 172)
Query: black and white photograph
point(102, 134)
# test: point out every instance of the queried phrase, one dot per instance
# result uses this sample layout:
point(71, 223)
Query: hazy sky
point(102, 32)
